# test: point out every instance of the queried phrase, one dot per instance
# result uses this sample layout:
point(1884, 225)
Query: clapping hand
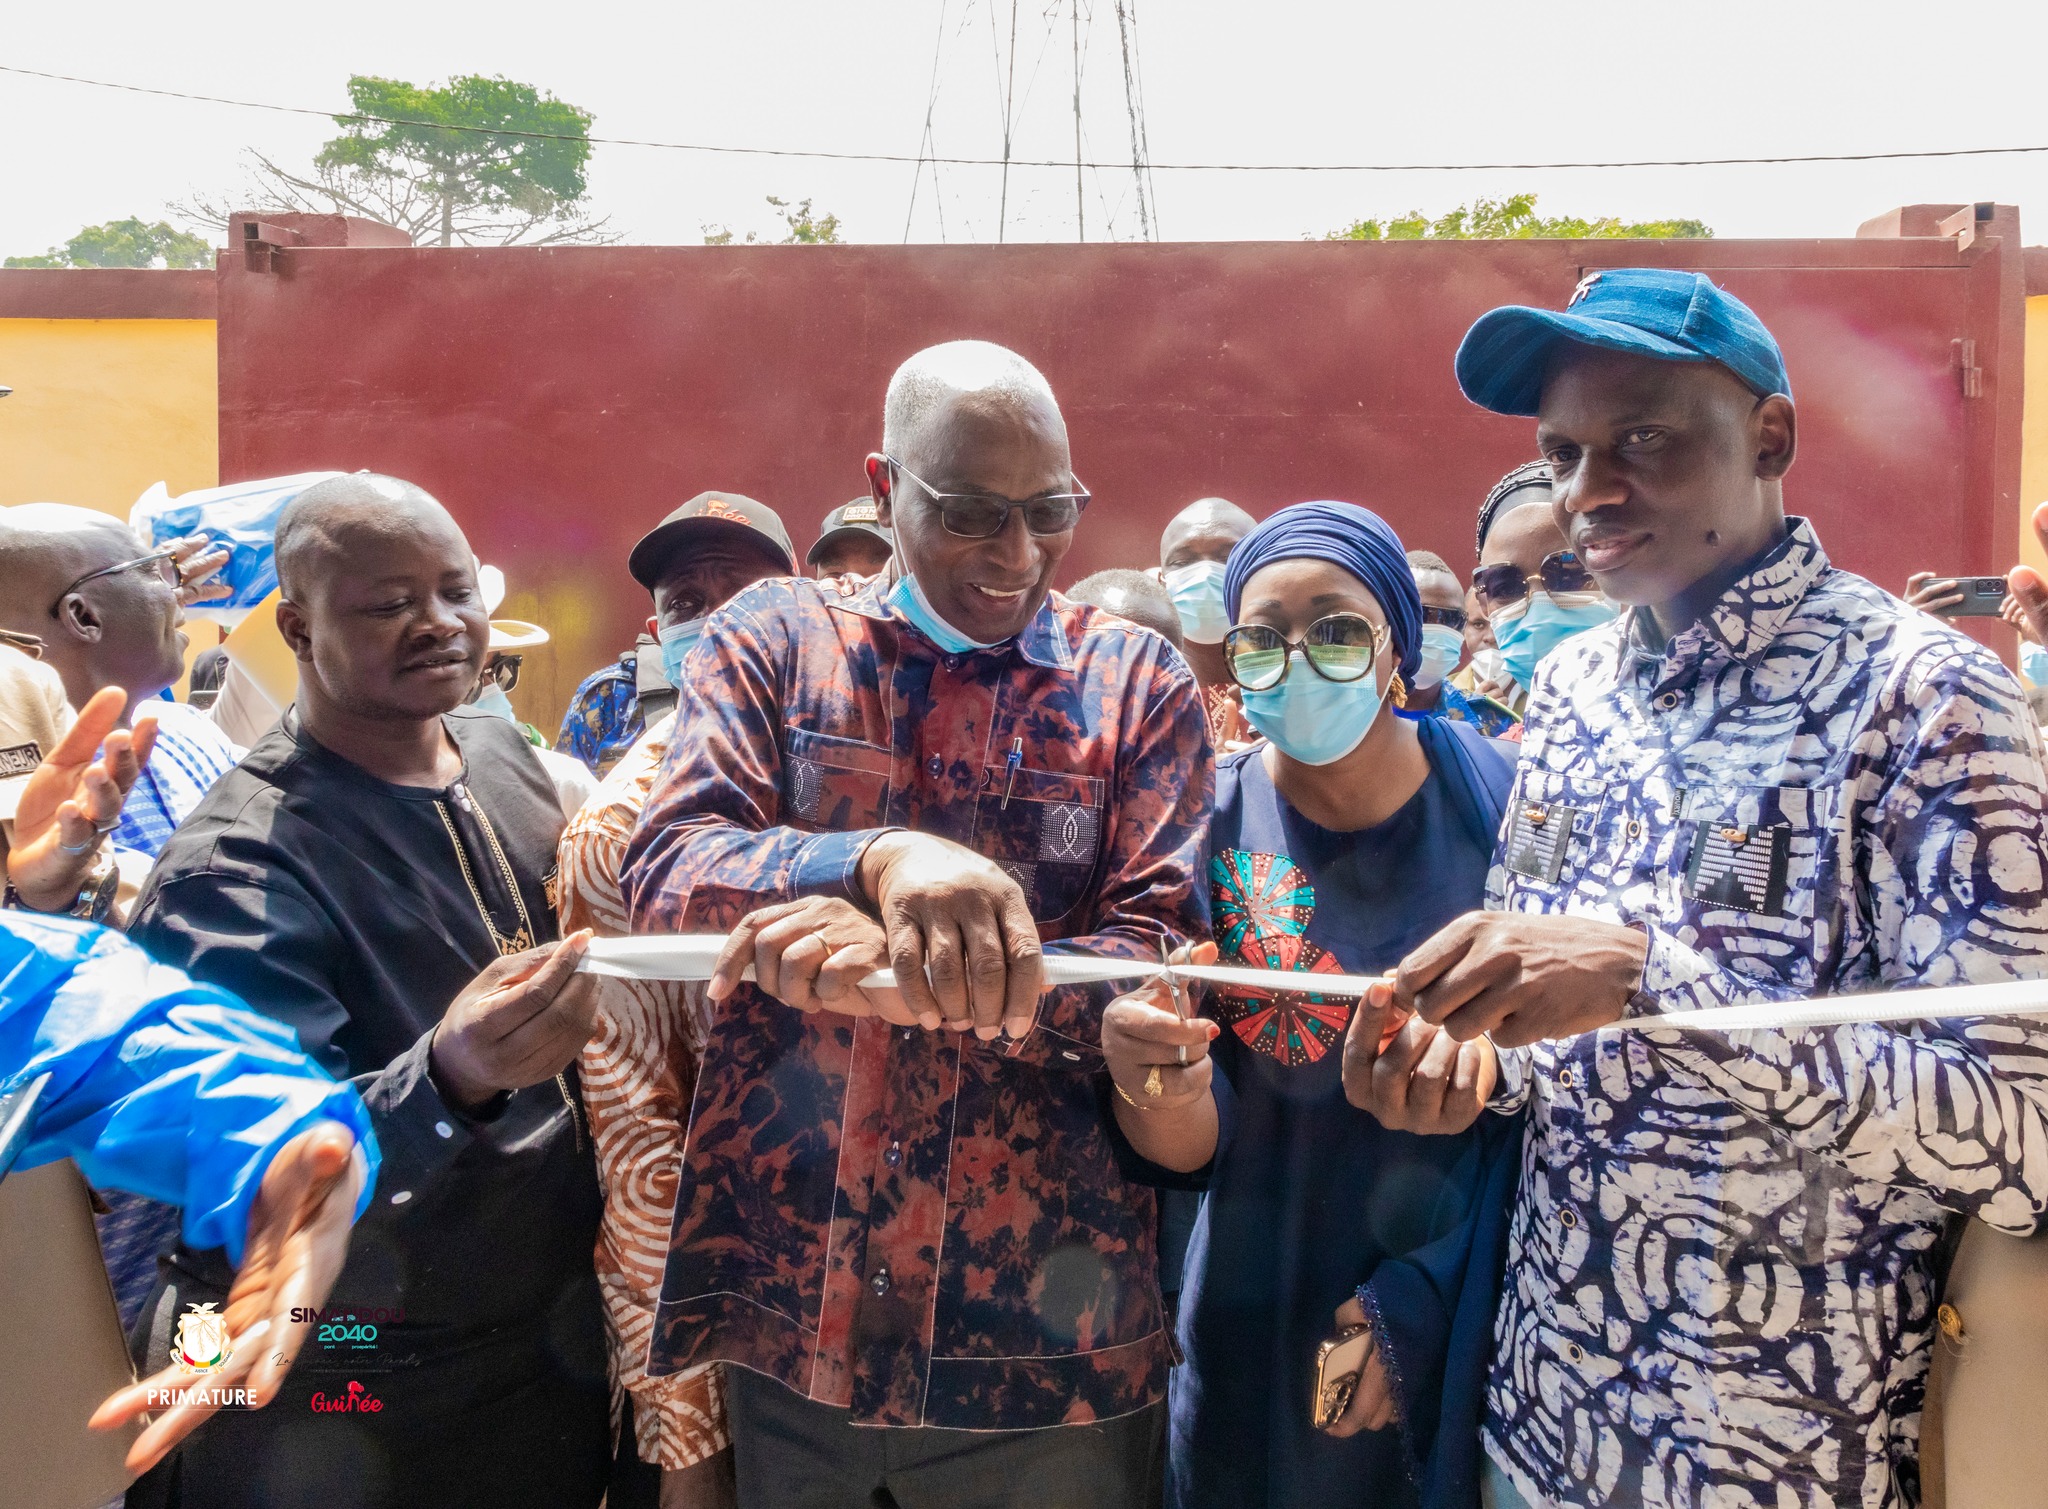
point(73, 800)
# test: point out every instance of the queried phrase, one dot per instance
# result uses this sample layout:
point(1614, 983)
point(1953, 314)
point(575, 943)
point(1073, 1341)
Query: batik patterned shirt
point(639, 1071)
point(1723, 1252)
point(604, 715)
point(922, 1227)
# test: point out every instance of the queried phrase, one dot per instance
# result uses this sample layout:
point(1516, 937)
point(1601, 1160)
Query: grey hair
point(937, 375)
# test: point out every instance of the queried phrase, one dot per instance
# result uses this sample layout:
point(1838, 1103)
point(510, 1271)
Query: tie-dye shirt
point(1724, 1252)
point(921, 1227)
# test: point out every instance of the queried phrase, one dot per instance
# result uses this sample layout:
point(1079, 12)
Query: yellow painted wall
point(103, 408)
point(2034, 433)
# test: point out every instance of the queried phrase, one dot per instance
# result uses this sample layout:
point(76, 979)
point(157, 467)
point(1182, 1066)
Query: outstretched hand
point(73, 800)
point(298, 1240)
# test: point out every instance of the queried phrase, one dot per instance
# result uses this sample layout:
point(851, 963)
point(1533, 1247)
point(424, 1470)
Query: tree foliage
point(804, 228)
point(1511, 219)
point(475, 162)
point(125, 243)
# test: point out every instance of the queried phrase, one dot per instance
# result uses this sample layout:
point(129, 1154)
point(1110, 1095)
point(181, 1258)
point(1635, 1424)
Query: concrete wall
point(115, 378)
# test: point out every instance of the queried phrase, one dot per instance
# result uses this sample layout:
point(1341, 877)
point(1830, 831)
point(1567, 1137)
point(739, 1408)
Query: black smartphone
point(1982, 596)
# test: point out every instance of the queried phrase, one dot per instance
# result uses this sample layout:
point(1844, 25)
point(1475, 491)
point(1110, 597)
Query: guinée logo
point(357, 1401)
point(203, 1345)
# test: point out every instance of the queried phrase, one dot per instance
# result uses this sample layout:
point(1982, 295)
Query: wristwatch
point(95, 900)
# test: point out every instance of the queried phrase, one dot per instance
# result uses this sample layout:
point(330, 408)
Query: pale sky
point(1272, 81)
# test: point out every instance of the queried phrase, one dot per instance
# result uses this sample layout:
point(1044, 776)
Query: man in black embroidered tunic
point(377, 874)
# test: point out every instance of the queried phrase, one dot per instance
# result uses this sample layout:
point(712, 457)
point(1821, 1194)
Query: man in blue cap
point(1770, 780)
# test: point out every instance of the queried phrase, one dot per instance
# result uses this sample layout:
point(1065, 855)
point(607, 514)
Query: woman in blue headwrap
point(1345, 838)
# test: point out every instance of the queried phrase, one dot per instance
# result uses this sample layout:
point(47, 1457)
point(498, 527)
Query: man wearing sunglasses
point(1430, 693)
point(1768, 781)
point(901, 1207)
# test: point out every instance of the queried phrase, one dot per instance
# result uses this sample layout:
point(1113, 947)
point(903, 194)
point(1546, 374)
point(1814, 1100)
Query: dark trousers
point(791, 1453)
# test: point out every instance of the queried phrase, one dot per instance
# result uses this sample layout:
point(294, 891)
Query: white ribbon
point(691, 957)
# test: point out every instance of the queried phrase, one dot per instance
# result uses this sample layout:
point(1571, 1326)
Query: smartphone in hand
point(1982, 597)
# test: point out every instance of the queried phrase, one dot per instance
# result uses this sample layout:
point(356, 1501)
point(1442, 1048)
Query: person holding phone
point(1340, 840)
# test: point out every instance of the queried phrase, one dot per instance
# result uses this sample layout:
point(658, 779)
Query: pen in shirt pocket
point(1015, 759)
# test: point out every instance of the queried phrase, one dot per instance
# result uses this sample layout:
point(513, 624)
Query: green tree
point(805, 228)
point(1512, 219)
point(474, 162)
point(125, 243)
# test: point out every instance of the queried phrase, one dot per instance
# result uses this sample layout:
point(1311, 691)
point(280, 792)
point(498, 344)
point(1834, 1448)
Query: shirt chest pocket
point(1753, 863)
point(831, 784)
point(1045, 830)
point(1551, 838)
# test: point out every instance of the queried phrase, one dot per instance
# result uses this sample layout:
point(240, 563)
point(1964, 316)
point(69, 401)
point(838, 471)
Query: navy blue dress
point(1308, 1197)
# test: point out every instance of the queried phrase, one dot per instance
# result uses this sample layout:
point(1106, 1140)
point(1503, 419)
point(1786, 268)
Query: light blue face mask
point(1197, 593)
point(907, 598)
point(676, 641)
point(1311, 719)
point(492, 699)
point(1526, 634)
point(1442, 647)
point(2034, 663)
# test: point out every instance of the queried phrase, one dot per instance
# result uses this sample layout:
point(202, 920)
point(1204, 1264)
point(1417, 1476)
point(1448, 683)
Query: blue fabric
point(1308, 1196)
point(191, 753)
point(1647, 311)
point(1454, 706)
point(241, 515)
point(159, 1085)
point(604, 718)
point(1345, 535)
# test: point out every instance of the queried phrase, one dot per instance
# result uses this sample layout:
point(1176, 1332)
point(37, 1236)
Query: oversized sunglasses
point(1341, 647)
point(504, 670)
point(983, 516)
point(164, 561)
point(1450, 618)
point(1561, 571)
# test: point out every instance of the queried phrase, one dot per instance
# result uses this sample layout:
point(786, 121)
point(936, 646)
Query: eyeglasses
point(1561, 571)
point(163, 560)
point(1341, 647)
point(1452, 618)
point(504, 669)
point(983, 516)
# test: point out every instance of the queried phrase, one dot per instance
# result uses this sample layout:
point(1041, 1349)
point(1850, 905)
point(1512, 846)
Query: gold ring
point(1153, 1087)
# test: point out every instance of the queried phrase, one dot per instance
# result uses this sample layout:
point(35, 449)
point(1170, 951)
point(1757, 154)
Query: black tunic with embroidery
point(355, 911)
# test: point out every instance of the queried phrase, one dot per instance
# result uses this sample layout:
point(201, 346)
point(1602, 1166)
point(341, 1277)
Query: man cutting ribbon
point(903, 1209)
point(1770, 780)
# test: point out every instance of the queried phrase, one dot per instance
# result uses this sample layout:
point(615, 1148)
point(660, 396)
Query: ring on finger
point(107, 827)
point(1183, 1055)
point(81, 848)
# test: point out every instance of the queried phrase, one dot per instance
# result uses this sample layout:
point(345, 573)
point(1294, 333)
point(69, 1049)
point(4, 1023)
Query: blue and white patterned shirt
point(1721, 1274)
point(191, 754)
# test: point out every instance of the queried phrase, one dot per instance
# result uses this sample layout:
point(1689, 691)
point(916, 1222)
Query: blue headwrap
point(1346, 535)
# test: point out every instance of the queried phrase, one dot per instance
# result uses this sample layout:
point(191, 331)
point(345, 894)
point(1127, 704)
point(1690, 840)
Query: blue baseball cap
point(1650, 311)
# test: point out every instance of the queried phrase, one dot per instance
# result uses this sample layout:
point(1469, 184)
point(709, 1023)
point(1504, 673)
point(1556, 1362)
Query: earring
point(1398, 689)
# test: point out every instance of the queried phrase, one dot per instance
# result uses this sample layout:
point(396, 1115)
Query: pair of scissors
point(1175, 989)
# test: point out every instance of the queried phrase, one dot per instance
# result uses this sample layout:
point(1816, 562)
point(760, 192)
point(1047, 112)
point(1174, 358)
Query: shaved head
point(971, 377)
point(45, 546)
point(1204, 531)
point(118, 629)
point(380, 604)
point(342, 524)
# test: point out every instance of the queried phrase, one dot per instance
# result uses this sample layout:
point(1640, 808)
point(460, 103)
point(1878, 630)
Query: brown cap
point(707, 517)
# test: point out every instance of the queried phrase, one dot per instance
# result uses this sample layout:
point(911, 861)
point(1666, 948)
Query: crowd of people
point(882, 1213)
